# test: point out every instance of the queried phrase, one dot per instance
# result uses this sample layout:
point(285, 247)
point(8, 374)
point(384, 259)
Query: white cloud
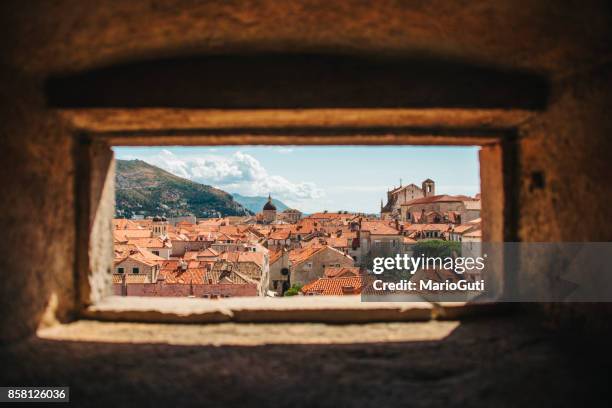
point(240, 172)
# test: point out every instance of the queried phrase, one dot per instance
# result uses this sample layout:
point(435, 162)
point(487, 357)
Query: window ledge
point(244, 334)
point(319, 309)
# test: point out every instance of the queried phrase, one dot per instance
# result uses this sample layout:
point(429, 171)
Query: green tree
point(437, 248)
point(293, 290)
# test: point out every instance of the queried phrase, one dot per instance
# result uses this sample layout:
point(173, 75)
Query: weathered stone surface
point(36, 210)
point(326, 309)
point(543, 36)
point(564, 147)
point(481, 363)
point(569, 148)
point(247, 334)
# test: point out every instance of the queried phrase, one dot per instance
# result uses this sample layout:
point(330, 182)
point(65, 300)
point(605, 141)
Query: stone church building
point(404, 194)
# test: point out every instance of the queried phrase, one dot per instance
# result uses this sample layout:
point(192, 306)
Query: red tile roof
point(460, 229)
point(280, 234)
point(154, 242)
point(351, 285)
point(140, 255)
point(336, 272)
point(275, 255)
point(300, 255)
point(474, 234)
point(122, 224)
point(125, 234)
point(257, 258)
point(378, 228)
point(331, 215)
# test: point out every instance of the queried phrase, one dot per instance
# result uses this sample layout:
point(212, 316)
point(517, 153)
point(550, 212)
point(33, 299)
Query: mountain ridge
point(144, 189)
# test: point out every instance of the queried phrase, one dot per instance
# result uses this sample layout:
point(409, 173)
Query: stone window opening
point(99, 309)
point(328, 119)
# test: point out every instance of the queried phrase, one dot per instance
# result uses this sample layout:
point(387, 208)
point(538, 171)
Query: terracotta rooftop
point(351, 285)
point(125, 234)
point(300, 255)
point(280, 234)
point(154, 242)
point(257, 258)
point(140, 255)
point(378, 228)
point(122, 224)
point(275, 255)
point(474, 234)
point(460, 229)
point(336, 272)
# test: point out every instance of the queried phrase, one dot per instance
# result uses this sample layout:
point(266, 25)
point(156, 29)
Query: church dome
point(269, 206)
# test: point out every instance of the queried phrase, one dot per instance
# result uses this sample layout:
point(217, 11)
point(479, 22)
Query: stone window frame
point(95, 208)
point(360, 99)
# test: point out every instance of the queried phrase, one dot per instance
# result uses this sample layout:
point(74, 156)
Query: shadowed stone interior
point(565, 137)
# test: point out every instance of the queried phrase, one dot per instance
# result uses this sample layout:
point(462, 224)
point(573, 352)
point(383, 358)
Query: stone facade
point(403, 194)
point(279, 272)
point(468, 210)
point(314, 266)
point(128, 266)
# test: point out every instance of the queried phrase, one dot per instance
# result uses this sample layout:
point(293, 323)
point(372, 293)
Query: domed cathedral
point(269, 211)
point(403, 194)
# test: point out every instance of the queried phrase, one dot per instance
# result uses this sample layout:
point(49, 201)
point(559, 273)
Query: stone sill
point(247, 334)
point(313, 309)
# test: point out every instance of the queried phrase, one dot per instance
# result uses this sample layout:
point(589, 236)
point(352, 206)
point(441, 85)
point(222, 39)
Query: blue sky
point(316, 178)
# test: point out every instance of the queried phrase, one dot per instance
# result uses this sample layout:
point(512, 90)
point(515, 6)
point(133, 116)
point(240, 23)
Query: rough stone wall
point(96, 276)
point(566, 163)
point(36, 210)
point(565, 182)
point(569, 144)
